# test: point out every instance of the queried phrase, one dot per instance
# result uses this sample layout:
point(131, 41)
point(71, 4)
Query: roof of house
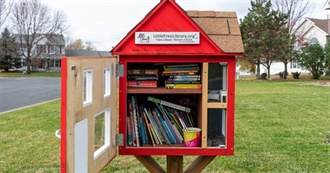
point(54, 39)
point(70, 52)
point(222, 28)
point(323, 24)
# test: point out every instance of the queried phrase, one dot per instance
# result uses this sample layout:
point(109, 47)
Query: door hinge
point(119, 70)
point(119, 140)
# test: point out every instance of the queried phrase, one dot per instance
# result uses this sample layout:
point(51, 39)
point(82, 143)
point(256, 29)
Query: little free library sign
point(166, 37)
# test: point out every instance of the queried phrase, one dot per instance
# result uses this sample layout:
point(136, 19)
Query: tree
point(4, 11)
point(296, 11)
point(8, 51)
point(327, 57)
point(34, 23)
point(313, 58)
point(78, 44)
point(263, 33)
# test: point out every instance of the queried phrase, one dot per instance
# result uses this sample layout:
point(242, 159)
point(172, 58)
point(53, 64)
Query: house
point(46, 53)
point(327, 5)
point(311, 30)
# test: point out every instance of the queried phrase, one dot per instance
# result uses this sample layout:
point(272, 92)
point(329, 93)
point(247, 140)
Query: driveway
point(20, 92)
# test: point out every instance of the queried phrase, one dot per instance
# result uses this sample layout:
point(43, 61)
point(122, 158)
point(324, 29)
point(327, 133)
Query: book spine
point(148, 127)
point(152, 124)
point(161, 127)
point(129, 131)
point(143, 137)
point(142, 84)
point(135, 122)
point(153, 134)
point(172, 105)
point(132, 122)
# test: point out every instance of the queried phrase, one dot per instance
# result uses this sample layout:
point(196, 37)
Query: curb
point(12, 110)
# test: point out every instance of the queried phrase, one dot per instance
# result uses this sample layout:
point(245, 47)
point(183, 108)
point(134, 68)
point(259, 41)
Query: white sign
point(166, 37)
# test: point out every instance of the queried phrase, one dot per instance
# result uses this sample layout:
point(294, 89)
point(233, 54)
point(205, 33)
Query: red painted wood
point(177, 149)
point(167, 16)
point(63, 114)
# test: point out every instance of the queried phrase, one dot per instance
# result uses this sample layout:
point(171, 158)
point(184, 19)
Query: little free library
point(167, 90)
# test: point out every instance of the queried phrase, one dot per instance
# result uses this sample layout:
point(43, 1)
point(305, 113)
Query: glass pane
point(217, 78)
point(107, 82)
point(99, 130)
point(216, 128)
point(87, 86)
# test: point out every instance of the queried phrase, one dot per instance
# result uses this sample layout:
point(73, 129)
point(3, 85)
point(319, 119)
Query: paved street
point(20, 92)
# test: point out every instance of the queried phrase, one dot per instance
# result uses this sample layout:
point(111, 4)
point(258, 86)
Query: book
point(132, 122)
point(142, 71)
point(153, 124)
point(169, 104)
point(180, 85)
point(136, 123)
point(161, 128)
point(142, 84)
point(129, 131)
point(180, 71)
point(142, 77)
point(148, 127)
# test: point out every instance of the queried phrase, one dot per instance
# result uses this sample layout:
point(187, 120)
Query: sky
point(105, 22)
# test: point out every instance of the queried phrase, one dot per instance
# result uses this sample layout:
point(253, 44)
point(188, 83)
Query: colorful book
point(180, 85)
point(161, 128)
point(132, 121)
point(169, 104)
point(142, 71)
point(142, 84)
point(136, 123)
point(129, 131)
point(153, 124)
point(148, 127)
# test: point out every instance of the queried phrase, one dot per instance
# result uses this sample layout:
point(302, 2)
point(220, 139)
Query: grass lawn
point(280, 126)
point(33, 74)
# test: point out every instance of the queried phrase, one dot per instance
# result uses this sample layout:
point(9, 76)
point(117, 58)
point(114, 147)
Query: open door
point(88, 113)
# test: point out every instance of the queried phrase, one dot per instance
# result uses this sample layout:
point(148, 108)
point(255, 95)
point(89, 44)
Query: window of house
point(41, 48)
point(55, 63)
point(313, 40)
point(295, 64)
point(54, 49)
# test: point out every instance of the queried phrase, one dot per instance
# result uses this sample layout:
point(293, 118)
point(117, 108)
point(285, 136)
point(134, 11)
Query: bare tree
point(297, 10)
point(35, 24)
point(5, 8)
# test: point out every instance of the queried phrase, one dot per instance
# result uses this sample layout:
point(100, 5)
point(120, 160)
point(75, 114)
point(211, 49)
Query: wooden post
point(174, 164)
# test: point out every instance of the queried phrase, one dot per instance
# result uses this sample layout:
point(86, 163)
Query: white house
point(311, 30)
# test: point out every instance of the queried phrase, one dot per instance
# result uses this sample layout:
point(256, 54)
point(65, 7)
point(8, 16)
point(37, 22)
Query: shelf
point(162, 90)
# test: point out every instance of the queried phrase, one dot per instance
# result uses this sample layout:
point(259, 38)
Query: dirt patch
point(320, 83)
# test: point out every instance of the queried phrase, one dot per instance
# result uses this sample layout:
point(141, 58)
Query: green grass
point(280, 126)
point(33, 74)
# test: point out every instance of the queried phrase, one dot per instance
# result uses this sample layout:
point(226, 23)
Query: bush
point(281, 74)
point(296, 75)
point(263, 76)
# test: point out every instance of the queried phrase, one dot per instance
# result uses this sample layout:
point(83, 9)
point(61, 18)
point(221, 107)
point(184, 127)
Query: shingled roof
point(222, 28)
point(323, 24)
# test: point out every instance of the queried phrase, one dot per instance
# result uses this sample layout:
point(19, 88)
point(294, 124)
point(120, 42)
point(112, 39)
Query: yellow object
point(191, 133)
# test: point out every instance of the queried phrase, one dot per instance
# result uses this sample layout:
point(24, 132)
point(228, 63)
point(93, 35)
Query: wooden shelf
point(162, 90)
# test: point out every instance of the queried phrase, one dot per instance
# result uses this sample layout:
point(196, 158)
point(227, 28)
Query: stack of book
point(142, 78)
point(182, 76)
point(162, 123)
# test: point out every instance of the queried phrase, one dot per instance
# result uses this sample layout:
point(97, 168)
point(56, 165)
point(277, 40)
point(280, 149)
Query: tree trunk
point(268, 72)
point(28, 66)
point(258, 70)
point(285, 69)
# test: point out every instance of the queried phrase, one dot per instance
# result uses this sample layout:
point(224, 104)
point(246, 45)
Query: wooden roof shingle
point(221, 27)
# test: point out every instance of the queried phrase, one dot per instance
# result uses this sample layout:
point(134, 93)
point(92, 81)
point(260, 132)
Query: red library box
point(173, 73)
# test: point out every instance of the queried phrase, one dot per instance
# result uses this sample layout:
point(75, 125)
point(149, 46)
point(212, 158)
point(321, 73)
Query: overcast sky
point(106, 22)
